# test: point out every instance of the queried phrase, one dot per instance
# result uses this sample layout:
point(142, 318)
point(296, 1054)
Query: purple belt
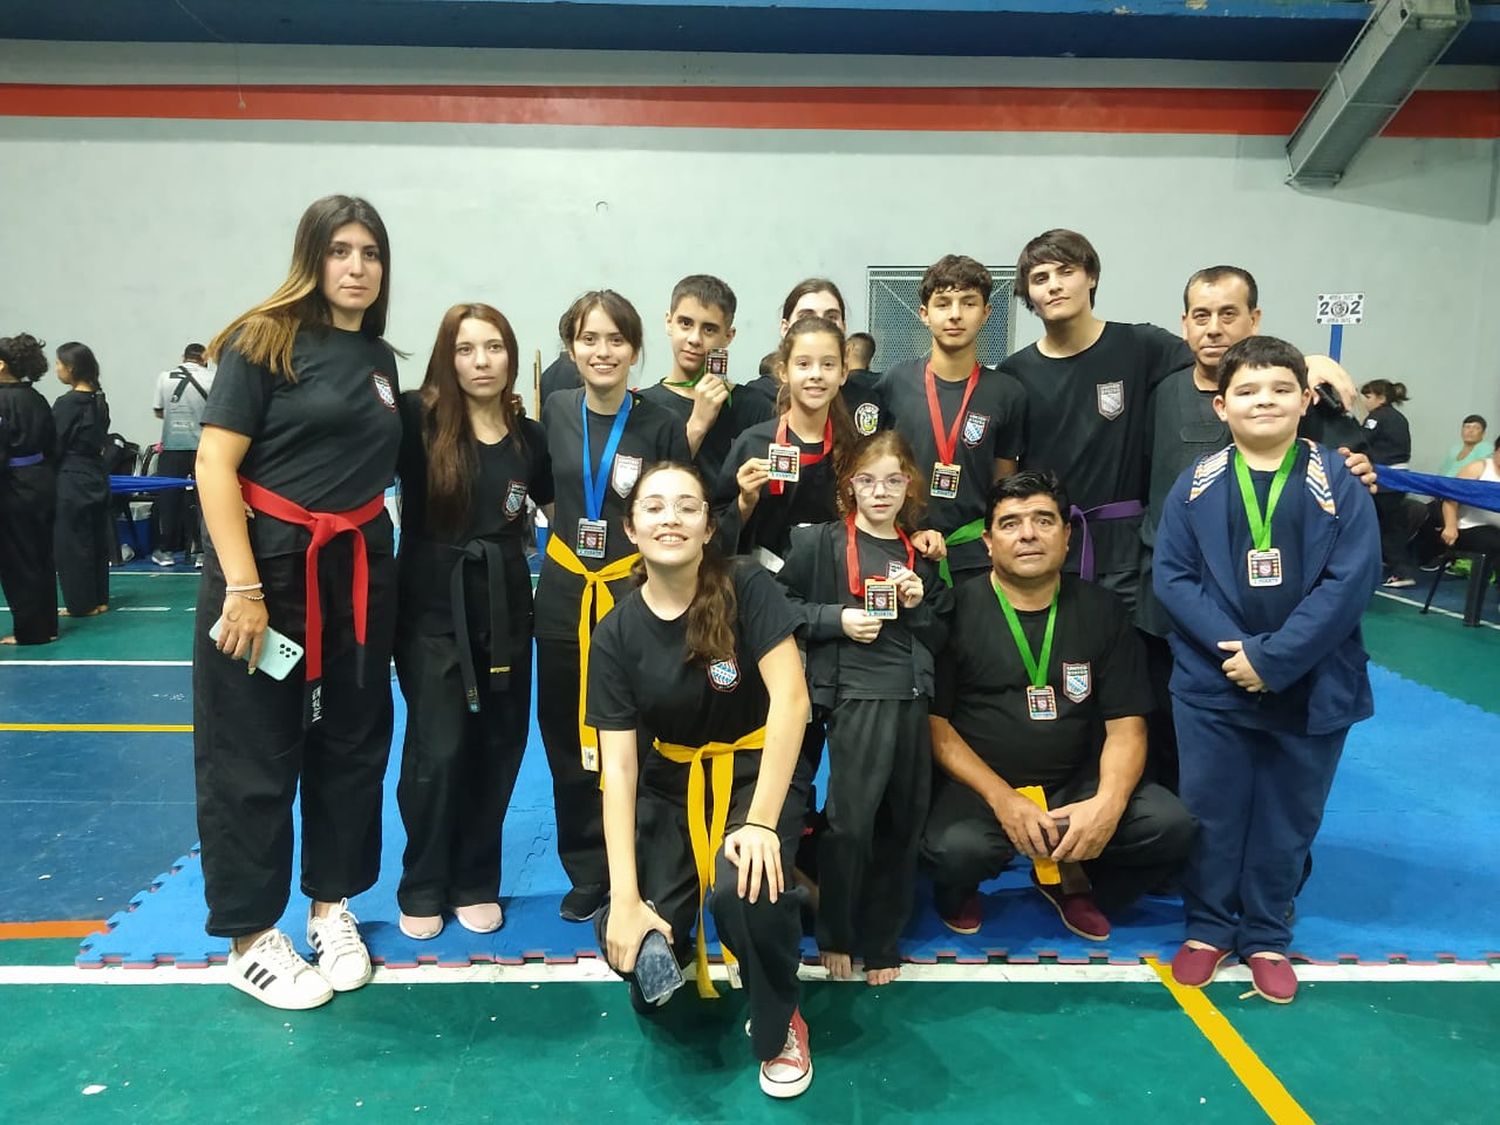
point(29, 459)
point(1115, 510)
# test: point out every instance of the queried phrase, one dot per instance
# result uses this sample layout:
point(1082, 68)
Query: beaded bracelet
point(248, 596)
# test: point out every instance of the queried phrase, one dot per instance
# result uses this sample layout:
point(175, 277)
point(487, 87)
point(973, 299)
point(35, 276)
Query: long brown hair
point(452, 459)
point(844, 435)
point(265, 334)
point(715, 607)
point(886, 443)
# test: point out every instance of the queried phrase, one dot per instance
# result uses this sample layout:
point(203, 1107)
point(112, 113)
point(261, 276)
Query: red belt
point(325, 527)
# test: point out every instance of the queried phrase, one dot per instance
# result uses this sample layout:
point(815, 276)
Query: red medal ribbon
point(851, 558)
point(804, 458)
point(946, 447)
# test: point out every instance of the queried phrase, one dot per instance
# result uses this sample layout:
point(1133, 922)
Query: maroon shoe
point(1194, 968)
point(968, 918)
point(1077, 911)
point(1274, 978)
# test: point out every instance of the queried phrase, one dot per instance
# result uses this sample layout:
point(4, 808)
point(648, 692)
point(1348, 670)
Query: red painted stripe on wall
point(922, 109)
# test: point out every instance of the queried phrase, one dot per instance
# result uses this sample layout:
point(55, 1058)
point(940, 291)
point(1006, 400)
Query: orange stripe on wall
point(14, 930)
point(921, 109)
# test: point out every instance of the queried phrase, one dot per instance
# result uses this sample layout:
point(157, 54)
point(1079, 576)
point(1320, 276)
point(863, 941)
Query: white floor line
point(143, 609)
point(1435, 609)
point(594, 970)
point(95, 664)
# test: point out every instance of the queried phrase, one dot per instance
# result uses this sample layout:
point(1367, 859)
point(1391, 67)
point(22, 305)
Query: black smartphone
point(1061, 823)
point(657, 973)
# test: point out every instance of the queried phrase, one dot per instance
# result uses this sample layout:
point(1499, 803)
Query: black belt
point(485, 551)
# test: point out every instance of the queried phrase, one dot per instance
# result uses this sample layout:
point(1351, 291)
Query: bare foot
point(98, 609)
point(839, 965)
point(881, 976)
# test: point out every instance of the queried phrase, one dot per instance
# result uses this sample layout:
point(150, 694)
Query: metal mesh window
point(899, 332)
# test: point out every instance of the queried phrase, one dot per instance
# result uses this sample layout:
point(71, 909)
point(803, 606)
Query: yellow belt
point(595, 594)
point(1046, 869)
point(708, 838)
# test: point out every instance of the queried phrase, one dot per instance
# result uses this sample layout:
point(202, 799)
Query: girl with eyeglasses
point(872, 608)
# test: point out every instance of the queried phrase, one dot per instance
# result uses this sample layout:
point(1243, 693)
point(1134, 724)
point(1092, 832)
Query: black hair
point(194, 353)
point(1393, 393)
point(1058, 245)
point(1027, 483)
point(1213, 274)
point(955, 271)
point(866, 342)
point(768, 363)
point(25, 355)
point(1483, 425)
point(708, 291)
point(1261, 351)
point(81, 362)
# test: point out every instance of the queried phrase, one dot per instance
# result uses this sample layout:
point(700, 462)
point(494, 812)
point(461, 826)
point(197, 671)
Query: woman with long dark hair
point(82, 539)
point(702, 656)
point(469, 464)
point(301, 428)
point(28, 493)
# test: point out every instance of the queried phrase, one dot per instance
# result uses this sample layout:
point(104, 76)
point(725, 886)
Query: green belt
point(959, 535)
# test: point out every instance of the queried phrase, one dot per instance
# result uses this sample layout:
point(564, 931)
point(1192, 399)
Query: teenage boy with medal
point(1266, 556)
point(1038, 663)
point(963, 421)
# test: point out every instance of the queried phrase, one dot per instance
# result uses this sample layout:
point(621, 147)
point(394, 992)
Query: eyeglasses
point(686, 507)
point(865, 483)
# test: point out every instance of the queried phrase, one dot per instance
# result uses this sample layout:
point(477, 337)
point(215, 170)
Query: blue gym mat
point(1402, 872)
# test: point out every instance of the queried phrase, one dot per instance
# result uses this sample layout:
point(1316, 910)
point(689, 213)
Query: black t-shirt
point(508, 474)
point(1389, 436)
point(740, 412)
point(1097, 672)
point(639, 677)
point(862, 395)
point(763, 386)
point(992, 429)
point(559, 375)
point(82, 421)
point(650, 435)
point(27, 426)
point(883, 668)
point(811, 498)
point(1086, 420)
point(328, 441)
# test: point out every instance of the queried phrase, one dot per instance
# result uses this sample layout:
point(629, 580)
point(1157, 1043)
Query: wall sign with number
point(1341, 308)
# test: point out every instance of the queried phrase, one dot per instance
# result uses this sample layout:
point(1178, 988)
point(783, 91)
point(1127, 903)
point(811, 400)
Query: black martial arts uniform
point(28, 506)
point(1389, 436)
point(574, 593)
point(83, 530)
point(735, 416)
point(639, 679)
point(326, 445)
point(783, 505)
point(463, 654)
point(876, 696)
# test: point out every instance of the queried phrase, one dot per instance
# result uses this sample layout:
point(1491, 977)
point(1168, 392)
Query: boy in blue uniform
point(1266, 557)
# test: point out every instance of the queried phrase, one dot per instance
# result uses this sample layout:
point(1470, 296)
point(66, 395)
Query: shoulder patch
point(1208, 469)
point(1318, 486)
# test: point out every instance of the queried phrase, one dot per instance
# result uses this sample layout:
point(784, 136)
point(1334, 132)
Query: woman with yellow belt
point(702, 656)
point(599, 437)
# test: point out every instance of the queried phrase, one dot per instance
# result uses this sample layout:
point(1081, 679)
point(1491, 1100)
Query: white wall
point(137, 236)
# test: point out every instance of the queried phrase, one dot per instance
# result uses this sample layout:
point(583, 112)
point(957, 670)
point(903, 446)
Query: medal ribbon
point(594, 481)
point(1036, 669)
point(1260, 526)
point(851, 558)
point(804, 458)
point(947, 446)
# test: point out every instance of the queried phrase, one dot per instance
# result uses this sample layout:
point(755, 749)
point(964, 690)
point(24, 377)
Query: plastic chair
point(1479, 579)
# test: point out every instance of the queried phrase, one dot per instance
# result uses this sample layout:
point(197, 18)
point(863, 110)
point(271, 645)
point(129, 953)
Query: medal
point(786, 462)
point(945, 472)
point(1041, 700)
point(944, 484)
point(1263, 561)
point(793, 464)
point(1264, 567)
point(1041, 703)
point(880, 598)
point(592, 536)
point(879, 593)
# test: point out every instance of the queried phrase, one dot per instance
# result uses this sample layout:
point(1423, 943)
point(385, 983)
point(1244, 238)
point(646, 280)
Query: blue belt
point(29, 459)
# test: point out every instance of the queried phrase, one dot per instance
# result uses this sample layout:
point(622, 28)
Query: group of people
point(55, 525)
point(959, 582)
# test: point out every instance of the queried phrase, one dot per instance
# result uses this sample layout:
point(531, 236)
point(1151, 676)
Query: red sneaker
point(1274, 978)
point(1193, 967)
point(1077, 911)
point(968, 918)
point(789, 1073)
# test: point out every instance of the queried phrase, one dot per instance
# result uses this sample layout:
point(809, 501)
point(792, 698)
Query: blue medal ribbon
point(594, 480)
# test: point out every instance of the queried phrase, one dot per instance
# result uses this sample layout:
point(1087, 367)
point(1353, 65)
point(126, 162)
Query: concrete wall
point(136, 236)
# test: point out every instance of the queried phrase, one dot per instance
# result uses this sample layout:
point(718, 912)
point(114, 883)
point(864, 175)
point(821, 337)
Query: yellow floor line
point(100, 728)
point(1264, 1086)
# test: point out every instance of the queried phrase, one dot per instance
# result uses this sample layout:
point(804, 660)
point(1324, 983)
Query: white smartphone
point(278, 654)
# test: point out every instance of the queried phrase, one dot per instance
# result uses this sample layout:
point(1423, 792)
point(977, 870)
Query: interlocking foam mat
point(1403, 872)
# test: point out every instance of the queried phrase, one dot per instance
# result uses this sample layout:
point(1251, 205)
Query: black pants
point(879, 785)
point(575, 790)
point(458, 770)
point(82, 539)
point(175, 509)
point(1485, 540)
point(28, 575)
point(250, 750)
point(1399, 520)
point(964, 844)
point(764, 936)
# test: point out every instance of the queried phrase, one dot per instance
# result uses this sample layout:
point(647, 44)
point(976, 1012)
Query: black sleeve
point(945, 675)
point(611, 694)
point(1164, 352)
point(1010, 426)
point(540, 484)
point(1123, 685)
point(673, 442)
point(766, 618)
point(237, 400)
point(411, 459)
point(929, 621)
point(64, 418)
point(102, 405)
point(818, 621)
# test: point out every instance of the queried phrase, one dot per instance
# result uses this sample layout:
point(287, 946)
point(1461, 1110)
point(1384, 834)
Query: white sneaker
point(273, 973)
point(343, 960)
point(163, 558)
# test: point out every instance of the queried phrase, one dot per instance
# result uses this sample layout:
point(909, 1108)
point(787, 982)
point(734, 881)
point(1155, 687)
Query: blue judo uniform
point(1256, 768)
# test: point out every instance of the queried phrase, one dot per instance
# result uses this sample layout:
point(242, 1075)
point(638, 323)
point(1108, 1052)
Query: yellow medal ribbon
point(595, 595)
point(708, 838)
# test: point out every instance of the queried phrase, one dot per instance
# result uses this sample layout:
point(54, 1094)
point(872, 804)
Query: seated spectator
point(1475, 529)
point(1470, 448)
point(1039, 733)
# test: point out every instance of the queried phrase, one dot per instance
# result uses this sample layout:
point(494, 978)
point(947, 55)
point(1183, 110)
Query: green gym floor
point(949, 1042)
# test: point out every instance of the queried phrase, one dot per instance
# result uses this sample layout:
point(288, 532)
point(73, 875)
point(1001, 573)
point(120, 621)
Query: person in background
point(28, 493)
point(82, 539)
point(1475, 529)
point(181, 395)
point(1470, 447)
point(1389, 435)
point(562, 373)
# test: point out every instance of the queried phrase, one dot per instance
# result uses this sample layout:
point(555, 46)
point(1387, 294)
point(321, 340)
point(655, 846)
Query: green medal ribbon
point(1260, 526)
point(1036, 669)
